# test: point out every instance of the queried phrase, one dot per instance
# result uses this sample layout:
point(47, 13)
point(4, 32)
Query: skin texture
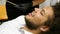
point(39, 16)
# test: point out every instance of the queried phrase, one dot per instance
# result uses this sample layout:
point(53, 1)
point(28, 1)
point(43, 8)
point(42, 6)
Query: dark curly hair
point(55, 23)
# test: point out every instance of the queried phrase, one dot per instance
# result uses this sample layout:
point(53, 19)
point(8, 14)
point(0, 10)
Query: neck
point(37, 31)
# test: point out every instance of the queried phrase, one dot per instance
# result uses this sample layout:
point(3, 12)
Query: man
point(40, 21)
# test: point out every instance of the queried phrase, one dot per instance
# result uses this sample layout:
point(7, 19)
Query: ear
point(44, 28)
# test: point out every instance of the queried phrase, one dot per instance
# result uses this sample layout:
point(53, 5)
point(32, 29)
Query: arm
point(36, 2)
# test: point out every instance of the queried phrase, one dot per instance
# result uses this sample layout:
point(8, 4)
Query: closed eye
point(42, 12)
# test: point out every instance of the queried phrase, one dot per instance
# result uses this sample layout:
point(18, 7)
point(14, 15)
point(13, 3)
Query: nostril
point(36, 9)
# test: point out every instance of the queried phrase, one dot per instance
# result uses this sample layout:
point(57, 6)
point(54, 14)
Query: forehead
point(49, 11)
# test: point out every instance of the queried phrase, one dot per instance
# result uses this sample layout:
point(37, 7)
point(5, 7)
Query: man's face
point(39, 16)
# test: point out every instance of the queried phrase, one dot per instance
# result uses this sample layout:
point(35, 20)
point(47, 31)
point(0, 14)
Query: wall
point(48, 3)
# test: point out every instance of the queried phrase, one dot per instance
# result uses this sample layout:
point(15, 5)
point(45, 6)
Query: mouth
point(30, 14)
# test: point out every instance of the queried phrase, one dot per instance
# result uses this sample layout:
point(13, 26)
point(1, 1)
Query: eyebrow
point(43, 10)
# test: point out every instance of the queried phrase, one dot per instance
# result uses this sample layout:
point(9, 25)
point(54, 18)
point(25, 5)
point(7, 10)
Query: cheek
point(37, 20)
point(40, 19)
point(37, 16)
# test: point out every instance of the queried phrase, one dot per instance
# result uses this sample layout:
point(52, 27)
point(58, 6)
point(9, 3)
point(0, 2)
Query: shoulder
point(14, 23)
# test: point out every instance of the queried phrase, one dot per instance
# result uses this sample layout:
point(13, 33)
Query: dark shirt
point(20, 1)
point(13, 12)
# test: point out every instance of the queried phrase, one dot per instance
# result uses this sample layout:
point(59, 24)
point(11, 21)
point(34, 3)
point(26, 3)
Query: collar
point(25, 32)
point(23, 24)
point(21, 21)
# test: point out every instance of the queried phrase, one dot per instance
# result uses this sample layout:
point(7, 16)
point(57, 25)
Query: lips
point(30, 14)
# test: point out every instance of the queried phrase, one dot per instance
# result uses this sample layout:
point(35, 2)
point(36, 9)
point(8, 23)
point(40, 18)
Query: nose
point(37, 10)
